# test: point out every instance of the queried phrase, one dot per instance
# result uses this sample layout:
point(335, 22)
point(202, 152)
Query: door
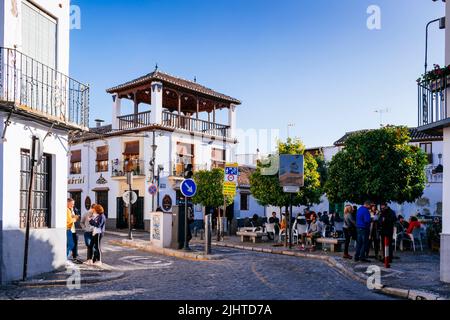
point(77, 209)
point(137, 221)
point(101, 198)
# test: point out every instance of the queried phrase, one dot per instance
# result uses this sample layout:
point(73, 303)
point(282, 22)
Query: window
point(185, 155)
point(218, 158)
point(38, 34)
point(245, 201)
point(428, 149)
point(41, 196)
point(102, 159)
point(75, 162)
point(131, 157)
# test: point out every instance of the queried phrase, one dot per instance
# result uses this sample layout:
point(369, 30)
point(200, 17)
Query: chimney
point(99, 122)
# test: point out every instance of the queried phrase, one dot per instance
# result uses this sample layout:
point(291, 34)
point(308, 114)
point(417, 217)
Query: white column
point(117, 105)
point(445, 236)
point(157, 103)
point(232, 120)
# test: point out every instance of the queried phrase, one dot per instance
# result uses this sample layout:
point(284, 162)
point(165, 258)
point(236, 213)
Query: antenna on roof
point(381, 111)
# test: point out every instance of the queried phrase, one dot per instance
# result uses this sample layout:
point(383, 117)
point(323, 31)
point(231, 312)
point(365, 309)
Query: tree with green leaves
point(266, 188)
point(377, 165)
point(210, 188)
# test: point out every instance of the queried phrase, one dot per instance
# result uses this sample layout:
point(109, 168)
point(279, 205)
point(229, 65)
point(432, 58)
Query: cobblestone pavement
point(240, 275)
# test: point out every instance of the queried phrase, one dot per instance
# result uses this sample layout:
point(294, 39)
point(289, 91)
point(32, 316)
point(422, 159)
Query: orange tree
point(377, 165)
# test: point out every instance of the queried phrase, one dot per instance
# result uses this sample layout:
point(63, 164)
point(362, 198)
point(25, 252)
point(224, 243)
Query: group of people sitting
point(368, 226)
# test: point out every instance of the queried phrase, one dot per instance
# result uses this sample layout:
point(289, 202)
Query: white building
point(434, 117)
point(179, 125)
point(36, 99)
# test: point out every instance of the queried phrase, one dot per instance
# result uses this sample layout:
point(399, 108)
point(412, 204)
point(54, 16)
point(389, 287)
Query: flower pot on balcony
point(439, 84)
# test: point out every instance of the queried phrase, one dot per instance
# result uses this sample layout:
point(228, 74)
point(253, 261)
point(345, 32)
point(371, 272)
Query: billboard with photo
point(291, 173)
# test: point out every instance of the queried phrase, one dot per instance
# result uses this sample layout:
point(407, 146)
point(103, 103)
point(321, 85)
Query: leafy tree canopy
point(377, 165)
point(266, 188)
point(210, 188)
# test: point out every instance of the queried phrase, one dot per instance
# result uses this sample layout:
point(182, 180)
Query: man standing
point(387, 221)
point(363, 228)
point(71, 219)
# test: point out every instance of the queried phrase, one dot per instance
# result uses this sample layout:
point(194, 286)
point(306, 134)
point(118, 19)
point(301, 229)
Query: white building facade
point(36, 99)
point(174, 124)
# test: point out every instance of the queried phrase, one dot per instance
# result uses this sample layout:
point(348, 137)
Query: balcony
point(119, 169)
point(36, 90)
point(175, 121)
point(132, 121)
point(434, 174)
point(433, 104)
point(178, 170)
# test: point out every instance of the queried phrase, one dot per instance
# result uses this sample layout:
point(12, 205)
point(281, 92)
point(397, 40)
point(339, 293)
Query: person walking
point(349, 229)
point(88, 231)
point(363, 229)
point(98, 221)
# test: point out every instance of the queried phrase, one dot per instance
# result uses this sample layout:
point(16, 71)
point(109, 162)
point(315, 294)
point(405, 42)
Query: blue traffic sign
point(188, 188)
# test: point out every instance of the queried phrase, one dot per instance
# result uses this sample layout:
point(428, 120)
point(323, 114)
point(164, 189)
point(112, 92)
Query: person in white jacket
point(88, 230)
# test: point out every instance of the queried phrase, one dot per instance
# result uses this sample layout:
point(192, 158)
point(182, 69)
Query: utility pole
point(33, 161)
point(129, 181)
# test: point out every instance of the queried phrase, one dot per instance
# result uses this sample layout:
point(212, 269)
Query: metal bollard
point(202, 233)
point(208, 233)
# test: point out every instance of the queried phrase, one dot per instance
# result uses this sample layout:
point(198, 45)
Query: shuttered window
point(38, 34)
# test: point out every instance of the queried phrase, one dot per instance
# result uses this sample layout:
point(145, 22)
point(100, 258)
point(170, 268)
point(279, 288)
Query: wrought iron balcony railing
point(33, 87)
point(132, 121)
point(434, 174)
point(433, 101)
point(196, 125)
point(120, 168)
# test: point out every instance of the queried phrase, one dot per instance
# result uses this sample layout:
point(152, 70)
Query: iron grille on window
point(41, 196)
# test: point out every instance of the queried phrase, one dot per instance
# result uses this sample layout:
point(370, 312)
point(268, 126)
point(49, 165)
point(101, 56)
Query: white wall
point(253, 206)
point(48, 246)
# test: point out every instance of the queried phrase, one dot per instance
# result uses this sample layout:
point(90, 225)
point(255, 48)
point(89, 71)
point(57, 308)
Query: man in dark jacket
point(387, 222)
point(363, 228)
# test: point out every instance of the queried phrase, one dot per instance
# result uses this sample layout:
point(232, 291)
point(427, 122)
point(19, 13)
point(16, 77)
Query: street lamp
point(441, 26)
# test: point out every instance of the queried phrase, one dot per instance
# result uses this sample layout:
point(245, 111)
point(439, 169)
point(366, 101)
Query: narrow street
point(240, 275)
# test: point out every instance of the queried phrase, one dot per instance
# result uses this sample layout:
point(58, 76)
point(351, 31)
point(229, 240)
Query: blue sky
point(309, 62)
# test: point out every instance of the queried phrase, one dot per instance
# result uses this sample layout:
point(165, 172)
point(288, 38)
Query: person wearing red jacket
point(413, 224)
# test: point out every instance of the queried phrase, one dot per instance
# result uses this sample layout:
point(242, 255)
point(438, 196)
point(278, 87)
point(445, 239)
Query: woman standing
point(374, 235)
point(98, 221)
point(88, 230)
point(349, 229)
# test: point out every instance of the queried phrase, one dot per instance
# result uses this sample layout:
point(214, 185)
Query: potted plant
point(437, 79)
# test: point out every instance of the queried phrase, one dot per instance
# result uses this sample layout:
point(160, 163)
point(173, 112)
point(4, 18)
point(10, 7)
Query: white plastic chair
point(416, 235)
point(270, 228)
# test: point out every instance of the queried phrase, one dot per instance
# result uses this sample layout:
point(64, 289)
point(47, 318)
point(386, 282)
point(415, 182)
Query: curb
point(62, 282)
point(144, 246)
point(332, 262)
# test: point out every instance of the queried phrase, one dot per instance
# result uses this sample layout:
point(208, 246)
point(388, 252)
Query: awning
point(131, 148)
point(100, 189)
point(102, 153)
point(75, 190)
point(75, 156)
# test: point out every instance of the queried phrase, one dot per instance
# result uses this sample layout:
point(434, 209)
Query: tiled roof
point(416, 136)
point(183, 83)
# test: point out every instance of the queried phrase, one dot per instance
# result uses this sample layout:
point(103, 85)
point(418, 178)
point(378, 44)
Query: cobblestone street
point(240, 275)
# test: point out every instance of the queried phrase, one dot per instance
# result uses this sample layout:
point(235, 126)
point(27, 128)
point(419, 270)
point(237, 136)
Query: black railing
point(432, 101)
point(35, 87)
point(120, 168)
point(132, 121)
point(434, 174)
point(191, 124)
